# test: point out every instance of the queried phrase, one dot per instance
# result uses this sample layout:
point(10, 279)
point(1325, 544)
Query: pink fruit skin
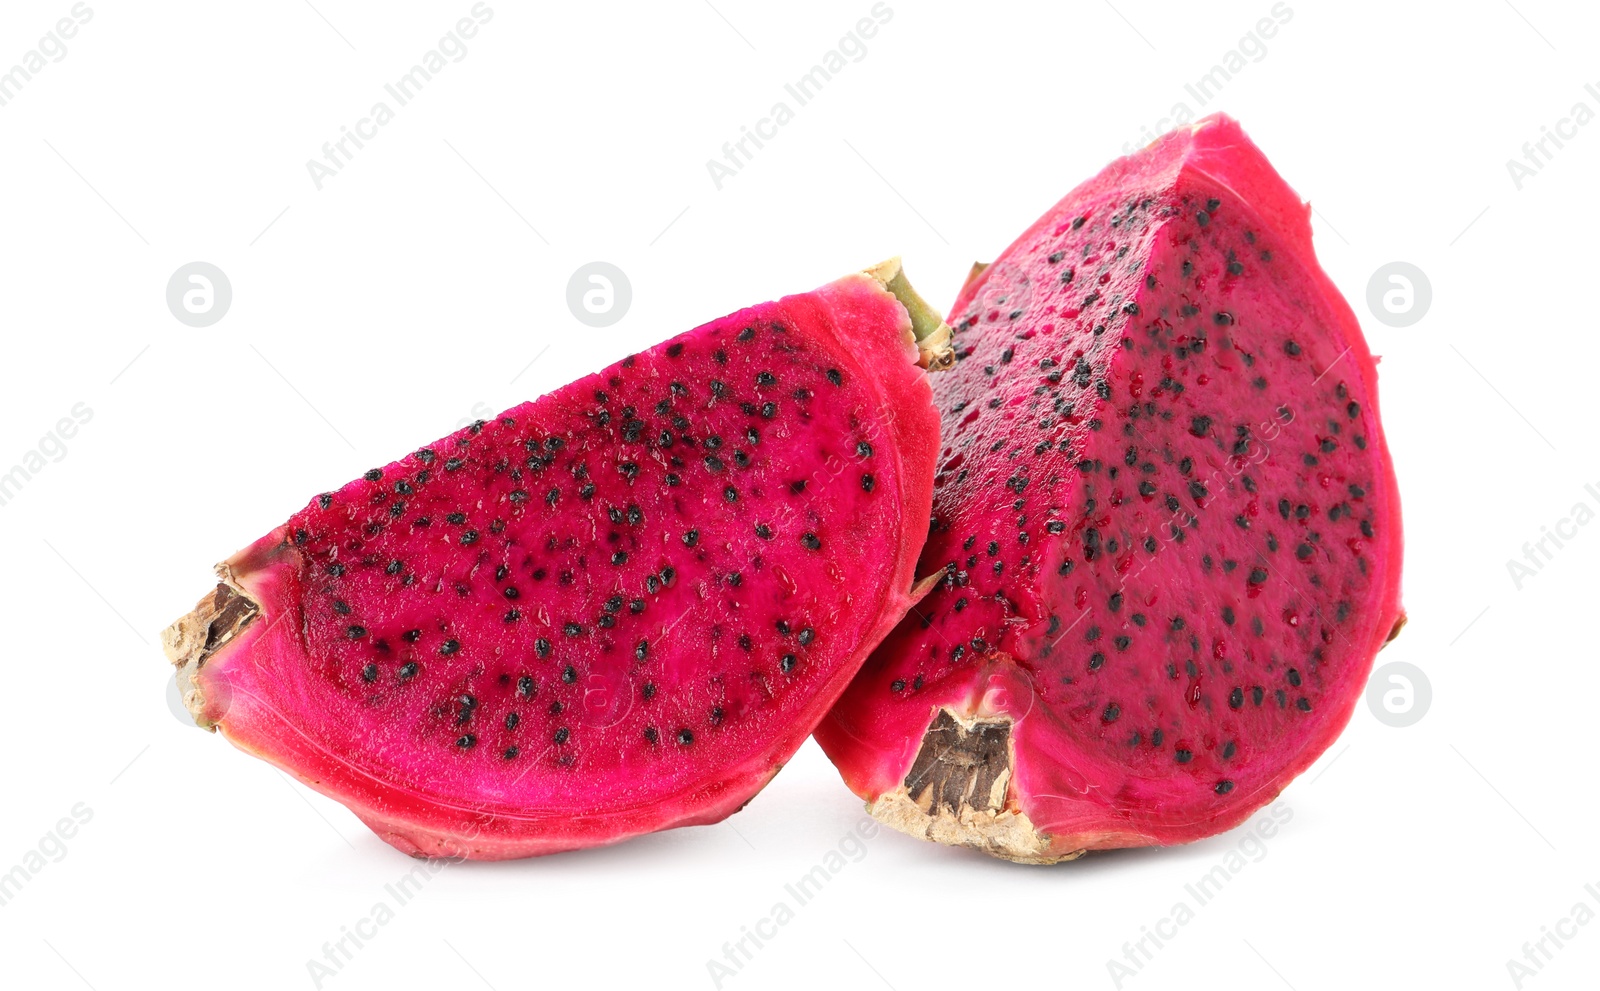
point(291, 690)
point(1076, 794)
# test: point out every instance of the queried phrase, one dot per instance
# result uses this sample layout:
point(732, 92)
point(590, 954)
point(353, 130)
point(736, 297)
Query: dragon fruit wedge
point(615, 609)
point(1166, 519)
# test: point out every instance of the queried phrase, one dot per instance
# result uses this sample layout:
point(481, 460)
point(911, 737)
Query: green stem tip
point(935, 342)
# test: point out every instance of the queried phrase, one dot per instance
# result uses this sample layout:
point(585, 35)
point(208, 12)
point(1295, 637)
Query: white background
point(404, 296)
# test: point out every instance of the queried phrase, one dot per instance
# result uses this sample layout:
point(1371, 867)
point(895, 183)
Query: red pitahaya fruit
point(616, 609)
point(1167, 521)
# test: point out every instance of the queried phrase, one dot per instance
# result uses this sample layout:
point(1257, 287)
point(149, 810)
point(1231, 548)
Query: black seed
point(685, 737)
point(620, 557)
point(1303, 704)
point(466, 741)
point(806, 636)
point(642, 650)
point(369, 673)
point(897, 685)
point(787, 663)
point(1291, 348)
point(572, 629)
point(408, 671)
point(650, 734)
point(810, 541)
point(1111, 713)
point(1257, 576)
point(1223, 787)
point(763, 531)
point(355, 632)
point(1236, 698)
point(1096, 660)
point(562, 735)
point(1182, 756)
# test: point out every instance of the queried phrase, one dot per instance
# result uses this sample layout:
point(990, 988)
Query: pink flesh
point(1312, 590)
point(320, 685)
